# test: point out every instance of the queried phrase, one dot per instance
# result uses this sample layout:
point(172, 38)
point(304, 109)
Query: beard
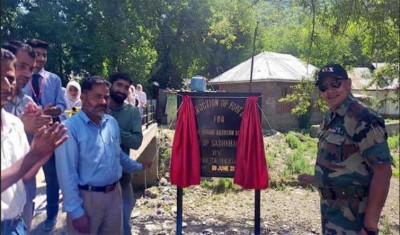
point(100, 110)
point(118, 97)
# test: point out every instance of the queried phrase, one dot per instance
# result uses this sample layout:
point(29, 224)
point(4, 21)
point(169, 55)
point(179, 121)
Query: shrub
point(304, 120)
point(270, 159)
point(297, 163)
point(219, 185)
point(396, 161)
point(292, 140)
point(164, 160)
point(396, 173)
point(393, 142)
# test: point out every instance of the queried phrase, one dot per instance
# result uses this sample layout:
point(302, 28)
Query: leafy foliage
point(220, 185)
point(304, 98)
point(298, 164)
point(393, 142)
point(292, 140)
point(167, 41)
point(347, 32)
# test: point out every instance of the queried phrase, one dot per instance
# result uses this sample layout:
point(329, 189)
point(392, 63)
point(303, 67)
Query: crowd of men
point(86, 154)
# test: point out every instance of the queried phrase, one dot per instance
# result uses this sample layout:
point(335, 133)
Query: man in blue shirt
point(45, 90)
point(90, 164)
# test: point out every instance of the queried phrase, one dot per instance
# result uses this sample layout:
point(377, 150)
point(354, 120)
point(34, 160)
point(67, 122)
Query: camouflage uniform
point(352, 140)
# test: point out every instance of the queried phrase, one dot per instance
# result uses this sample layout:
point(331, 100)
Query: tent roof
point(268, 66)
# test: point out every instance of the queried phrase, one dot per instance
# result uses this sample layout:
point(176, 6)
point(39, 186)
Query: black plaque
point(218, 118)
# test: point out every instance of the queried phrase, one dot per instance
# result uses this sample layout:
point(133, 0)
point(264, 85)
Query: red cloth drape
point(185, 159)
point(251, 166)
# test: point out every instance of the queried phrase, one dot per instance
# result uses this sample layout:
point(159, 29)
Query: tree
point(352, 33)
point(200, 37)
point(166, 41)
point(86, 37)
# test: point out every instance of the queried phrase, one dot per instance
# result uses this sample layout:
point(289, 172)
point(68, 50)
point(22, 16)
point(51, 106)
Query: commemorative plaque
point(218, 119)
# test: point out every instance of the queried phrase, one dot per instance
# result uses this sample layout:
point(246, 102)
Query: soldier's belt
point(345, 192)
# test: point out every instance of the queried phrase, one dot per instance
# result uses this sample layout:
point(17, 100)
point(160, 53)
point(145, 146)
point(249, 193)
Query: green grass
point(292, 140)
point(297, 163)
point(164, 160)
point(396, 173)
point(220, 185)
point(270, 159)
point(393, 142)
point(396, 161)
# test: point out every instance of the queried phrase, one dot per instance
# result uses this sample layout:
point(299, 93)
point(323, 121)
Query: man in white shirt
point(25, 57)
point(18, 162)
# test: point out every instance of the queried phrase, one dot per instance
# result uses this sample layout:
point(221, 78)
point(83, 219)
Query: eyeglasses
point(23, 66)
point(334, 84)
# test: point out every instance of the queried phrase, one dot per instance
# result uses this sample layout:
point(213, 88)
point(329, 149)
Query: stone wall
point(147, 152)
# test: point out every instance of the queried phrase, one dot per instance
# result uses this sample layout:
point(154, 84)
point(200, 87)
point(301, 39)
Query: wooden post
point(252, 59)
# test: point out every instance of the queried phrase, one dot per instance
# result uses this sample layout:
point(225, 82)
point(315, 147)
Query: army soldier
point(353, 167)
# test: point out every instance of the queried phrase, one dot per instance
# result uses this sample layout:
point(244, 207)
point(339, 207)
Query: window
point(285, 107)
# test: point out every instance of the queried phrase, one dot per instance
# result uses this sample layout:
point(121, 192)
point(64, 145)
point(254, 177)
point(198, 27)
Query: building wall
point(278, 114)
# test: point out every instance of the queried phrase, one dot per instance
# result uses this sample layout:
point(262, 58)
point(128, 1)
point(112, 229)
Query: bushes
point(219, 185)
point(292, 140)
point(297, 163)
point(287, 156)
point(393, 142)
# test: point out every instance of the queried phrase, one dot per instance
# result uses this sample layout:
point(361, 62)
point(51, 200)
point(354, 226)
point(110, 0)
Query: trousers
point(13, 227)
point(128, 201)
point(104, 211)
point(52, 188)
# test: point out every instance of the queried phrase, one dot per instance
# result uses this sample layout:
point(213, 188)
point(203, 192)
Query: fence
point(148, 116)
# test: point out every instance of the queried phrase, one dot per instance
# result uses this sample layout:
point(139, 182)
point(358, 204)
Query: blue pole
point(257, 229)
point(179, 211)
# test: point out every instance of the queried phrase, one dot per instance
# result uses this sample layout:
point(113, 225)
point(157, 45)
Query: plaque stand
point(215, 107)
point(179, 210)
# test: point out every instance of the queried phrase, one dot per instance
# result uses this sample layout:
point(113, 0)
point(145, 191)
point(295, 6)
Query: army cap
point(331, 70)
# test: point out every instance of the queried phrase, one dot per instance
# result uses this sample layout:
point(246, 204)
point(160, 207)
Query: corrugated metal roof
point(268, 66)
point(378, 65)
point(361, 78)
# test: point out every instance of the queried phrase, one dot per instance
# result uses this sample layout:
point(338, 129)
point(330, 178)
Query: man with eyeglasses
point(353, 166)
point(19, 162)
point(25, 56)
